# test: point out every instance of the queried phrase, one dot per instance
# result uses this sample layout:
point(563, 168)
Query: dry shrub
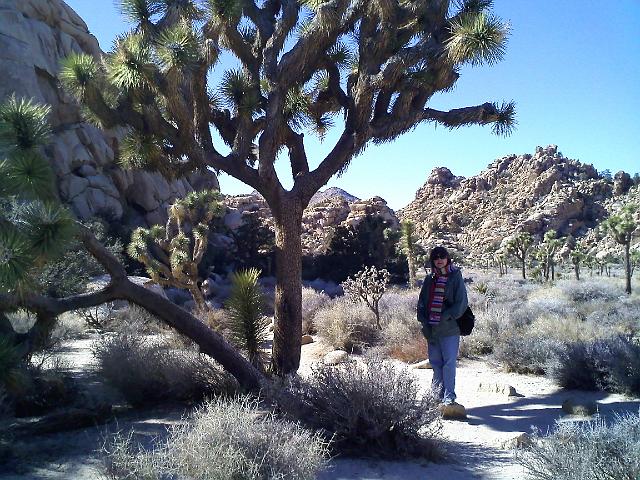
point(522, 352)
point(588, 290)
point(491, 324)
point(611, 364)
point(412, 351)
point(225, 439)
point(312, 301)
point(147, 371)
point(216, 319)
point(586, 451)
point(347, 326)
point(370, 408)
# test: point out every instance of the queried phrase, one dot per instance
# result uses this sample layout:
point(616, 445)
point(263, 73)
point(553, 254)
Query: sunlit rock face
point(34, 36)
point(531, 192)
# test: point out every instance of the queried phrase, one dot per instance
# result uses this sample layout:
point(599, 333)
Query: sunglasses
point(440, 257)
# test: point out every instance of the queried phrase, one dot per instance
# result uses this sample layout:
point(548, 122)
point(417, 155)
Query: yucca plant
point(248, 323)
point(367, 68)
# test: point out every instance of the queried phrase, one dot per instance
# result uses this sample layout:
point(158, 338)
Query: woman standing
point(442, 300)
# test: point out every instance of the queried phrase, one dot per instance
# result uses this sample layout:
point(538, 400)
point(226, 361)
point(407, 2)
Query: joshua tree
point(621, 227)
point(368, 286)
point(578, 256)
point(409, 248)
point(547, 251)
point(301, 64)
point(519, 246)
point(173, 252)
point(34, 229)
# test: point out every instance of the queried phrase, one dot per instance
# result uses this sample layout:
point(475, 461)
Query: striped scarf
point(437, 293)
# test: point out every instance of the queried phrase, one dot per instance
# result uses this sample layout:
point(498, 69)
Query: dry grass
point(415, 350)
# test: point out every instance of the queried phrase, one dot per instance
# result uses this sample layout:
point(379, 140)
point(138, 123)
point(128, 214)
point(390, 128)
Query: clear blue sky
point(572, 66)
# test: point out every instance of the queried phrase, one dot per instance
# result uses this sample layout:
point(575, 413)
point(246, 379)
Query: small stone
point(336, 357)
point(522, 440)
point(502, 389)
point(453, 411)
point(584, 408)
point(307, 339)
point(424, 364)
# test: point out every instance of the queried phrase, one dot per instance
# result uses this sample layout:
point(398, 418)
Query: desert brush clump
point(223, 439)
point(312, 301)
point(346, 325)
point(610, 364)
point(371, 407)
point(148, 371)
point(595, 450)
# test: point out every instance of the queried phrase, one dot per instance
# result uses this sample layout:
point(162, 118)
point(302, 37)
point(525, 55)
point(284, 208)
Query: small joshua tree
point(173, 252)
point(621, 227)
point(368, 286)
point(409, 247)
point(519, 246)
point(547, 251)
point(249, 325)
point(578, 256)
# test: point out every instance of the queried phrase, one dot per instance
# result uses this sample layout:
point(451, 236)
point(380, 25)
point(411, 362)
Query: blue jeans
point(443, 355)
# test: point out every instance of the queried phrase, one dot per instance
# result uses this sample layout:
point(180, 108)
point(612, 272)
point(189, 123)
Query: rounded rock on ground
point(521, 440)
point(424, 365)
point(584, 408)
point(336, 357)
point(453, 411)
point(499, 388)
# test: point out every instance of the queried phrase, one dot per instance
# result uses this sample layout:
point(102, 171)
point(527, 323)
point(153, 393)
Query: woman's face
point(440, 261)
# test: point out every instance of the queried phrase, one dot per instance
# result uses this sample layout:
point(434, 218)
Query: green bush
point(368, 408)
point(586, 451)
point(225, 439)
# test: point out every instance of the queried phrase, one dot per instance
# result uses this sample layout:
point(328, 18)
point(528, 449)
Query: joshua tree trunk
point(287, 331)
point(627, 266)
point(524, 272)
point(576, 269)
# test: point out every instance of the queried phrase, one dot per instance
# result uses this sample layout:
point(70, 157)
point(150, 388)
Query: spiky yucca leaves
point(238, 91)
point(178, 48)
point(37, 229)
point(139, 11)
point(23, 124)
point(77, 71)
point(173, 252)
point(249, 325)
point(477, 38)
point(13, 377)
point(130, 67)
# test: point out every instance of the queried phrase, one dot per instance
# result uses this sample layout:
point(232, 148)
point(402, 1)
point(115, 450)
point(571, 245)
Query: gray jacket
point(455, 304)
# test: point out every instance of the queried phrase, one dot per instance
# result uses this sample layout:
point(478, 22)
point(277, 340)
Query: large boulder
point(35, 35)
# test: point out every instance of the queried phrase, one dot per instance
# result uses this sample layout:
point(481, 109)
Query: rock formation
point(34, 36)
point(533, 193)
point(319, 219)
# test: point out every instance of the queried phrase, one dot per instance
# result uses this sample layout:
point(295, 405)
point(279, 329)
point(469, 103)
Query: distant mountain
point(333, 192)
point(530, 192)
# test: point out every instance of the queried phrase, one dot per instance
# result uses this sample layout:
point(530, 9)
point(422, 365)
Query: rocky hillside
point(332, 192)
point(319, 219)
point(527, 192)
point(34, 36)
